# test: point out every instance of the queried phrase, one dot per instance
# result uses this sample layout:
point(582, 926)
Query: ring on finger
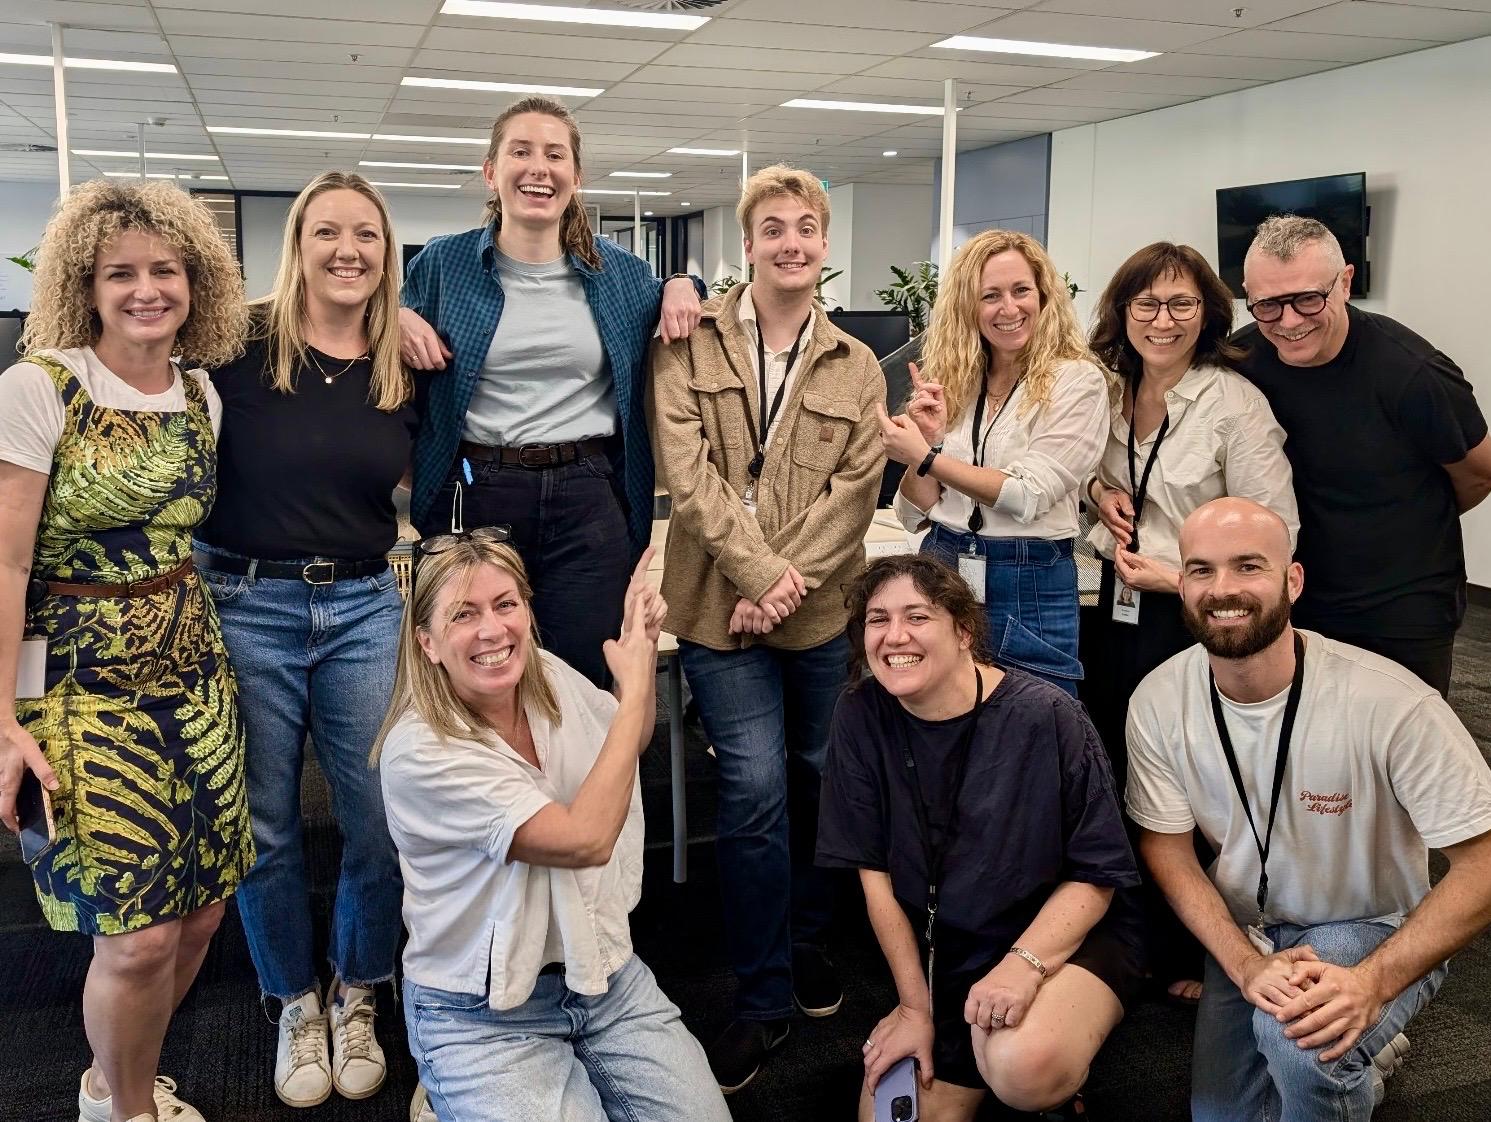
point(996, 1018)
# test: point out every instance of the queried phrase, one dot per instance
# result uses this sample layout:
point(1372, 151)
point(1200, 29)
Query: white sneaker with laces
point(302, 1067)
point(168, 1108)
point(357, 1065)
point(420, 1109)
point(1386, 1064)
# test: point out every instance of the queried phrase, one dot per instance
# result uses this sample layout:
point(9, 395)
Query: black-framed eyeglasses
point(1271, 309)
point(439, 543)
point(1146, 309)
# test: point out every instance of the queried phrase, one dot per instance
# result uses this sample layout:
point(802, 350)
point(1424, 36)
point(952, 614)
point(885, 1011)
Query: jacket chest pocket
point(722, 412)
point(823, 429)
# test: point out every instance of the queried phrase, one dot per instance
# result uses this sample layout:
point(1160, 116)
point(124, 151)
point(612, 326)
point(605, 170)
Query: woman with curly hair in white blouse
point(1006, 420)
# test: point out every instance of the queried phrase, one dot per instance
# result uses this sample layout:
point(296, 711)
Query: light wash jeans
point(315, 659)
point(623, 1056)
point(1243, 1067)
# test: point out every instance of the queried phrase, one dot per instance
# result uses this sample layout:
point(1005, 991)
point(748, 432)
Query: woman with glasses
point(1191, 429)
point(1000, 432)
point(538, 420)
point(512, 794)
point(317, 432)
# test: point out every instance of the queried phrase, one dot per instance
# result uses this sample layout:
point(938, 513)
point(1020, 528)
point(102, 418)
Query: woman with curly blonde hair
point(119, 700)
point(1006, 419)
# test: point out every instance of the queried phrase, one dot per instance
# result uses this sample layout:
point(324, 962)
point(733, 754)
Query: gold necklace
point(330, 378)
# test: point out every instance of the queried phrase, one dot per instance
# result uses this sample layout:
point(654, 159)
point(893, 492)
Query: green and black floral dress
point(140, 717)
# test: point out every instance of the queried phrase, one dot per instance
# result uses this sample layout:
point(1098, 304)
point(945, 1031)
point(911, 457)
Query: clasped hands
point(1325, 1006)
point(909, 436)
point(759, 617)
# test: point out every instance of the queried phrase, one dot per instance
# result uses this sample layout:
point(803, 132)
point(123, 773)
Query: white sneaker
point(420, 1109)
point(302, 1068)
point(168, 1108)
point(1386, 1064)
point(357, 1065)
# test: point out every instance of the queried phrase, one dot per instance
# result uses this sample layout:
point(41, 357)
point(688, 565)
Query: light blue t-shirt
point(545, 378)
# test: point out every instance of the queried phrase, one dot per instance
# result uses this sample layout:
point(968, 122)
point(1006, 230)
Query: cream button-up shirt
point(1223, 440)
point(478, 921)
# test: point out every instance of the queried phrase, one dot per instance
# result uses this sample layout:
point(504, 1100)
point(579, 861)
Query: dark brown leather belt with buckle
point(146, 587)
point(535, 455)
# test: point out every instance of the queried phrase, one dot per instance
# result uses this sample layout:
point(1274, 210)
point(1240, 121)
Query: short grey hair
point(1282, 236)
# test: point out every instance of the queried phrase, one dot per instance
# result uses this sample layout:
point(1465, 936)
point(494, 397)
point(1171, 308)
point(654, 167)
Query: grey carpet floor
point(221, 1046)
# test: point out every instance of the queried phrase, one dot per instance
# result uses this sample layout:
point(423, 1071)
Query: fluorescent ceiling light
point(504, 87)
point(862, 106)
point(647, 214)
point(1047, 50)
point(706, 151)
point(608, 191)
point(90, 63)
point(642, 174)
point(314, 133)
point(436, 186)
point(160, 175)
point(889, 152)
point(481, 141)
point(548, 14)
point(685, 204)
point(426, 167)
point(136, 155)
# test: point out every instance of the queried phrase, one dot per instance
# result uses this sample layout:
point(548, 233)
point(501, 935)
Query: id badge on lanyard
point(973, 568)
point(1126, 599)
point(1125, 602)
point(31, 669)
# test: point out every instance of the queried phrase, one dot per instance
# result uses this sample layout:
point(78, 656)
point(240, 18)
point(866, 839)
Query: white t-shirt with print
point(1380, 770)
point(478, 921)
point(32, 415)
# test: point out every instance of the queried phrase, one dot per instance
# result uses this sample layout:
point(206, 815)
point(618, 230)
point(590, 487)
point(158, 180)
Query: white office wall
point(1416, 124)
point(261, 219)
point(24, 210)
point(893, 225)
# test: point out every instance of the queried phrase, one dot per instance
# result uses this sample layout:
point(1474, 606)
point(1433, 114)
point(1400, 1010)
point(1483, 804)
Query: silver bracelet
point(1030, 958)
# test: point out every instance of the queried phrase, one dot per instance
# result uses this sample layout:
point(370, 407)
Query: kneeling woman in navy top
point(978, 807)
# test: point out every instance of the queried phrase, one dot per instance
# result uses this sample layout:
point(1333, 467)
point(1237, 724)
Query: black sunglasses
point(440, 543)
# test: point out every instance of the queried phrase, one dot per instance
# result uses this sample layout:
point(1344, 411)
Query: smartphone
point(895, 1094)
point(34, 809)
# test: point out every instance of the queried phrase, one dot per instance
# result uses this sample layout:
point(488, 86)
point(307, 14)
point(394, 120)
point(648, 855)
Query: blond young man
point(767, 436)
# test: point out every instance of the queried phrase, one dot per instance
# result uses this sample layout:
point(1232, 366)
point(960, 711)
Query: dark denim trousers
point(767, 712)
point(569, 528)
point(1030, 599)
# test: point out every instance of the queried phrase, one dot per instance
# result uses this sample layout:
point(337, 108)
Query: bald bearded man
point(1322, 775)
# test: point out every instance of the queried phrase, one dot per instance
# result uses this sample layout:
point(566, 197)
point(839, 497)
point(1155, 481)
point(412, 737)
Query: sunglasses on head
point(439, 543)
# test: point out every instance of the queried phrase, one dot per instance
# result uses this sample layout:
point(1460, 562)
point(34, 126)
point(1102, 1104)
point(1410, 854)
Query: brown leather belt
point(535, 455)
point(146, 587)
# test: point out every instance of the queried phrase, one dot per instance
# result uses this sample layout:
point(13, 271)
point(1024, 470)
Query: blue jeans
point(561, 1057)
point(568, 525)
point(315, 659)
point(1243, 1067)
point(1030, 598)
point(767, 712)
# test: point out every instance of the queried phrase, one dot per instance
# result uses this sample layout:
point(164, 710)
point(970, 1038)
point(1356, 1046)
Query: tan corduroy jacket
point(817, 490)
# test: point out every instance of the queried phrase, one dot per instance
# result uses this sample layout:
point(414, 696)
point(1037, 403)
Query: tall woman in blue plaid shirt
point(537, 422)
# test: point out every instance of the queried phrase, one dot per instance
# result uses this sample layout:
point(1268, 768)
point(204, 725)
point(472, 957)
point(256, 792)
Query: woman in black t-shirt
point(317, 431)
point(992, 784)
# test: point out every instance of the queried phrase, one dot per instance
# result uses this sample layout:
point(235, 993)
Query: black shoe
point(736, 1056)
point(815, 982)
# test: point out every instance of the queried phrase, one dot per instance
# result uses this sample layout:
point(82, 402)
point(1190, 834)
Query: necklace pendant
point(329, 379)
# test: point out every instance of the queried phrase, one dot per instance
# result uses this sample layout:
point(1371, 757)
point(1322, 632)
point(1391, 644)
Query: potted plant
point(914, 292)
point(26, 260)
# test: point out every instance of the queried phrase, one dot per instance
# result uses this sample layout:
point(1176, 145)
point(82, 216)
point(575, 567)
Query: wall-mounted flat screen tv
point(1339, 201)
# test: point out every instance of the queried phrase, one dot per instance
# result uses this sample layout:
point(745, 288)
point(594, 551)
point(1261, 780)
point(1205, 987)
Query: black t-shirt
point(1368, 434)
point(1037, 809)
point(309, 473)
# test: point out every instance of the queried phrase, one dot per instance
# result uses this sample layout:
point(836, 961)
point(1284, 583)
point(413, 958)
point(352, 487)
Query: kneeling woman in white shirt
point(511, 789)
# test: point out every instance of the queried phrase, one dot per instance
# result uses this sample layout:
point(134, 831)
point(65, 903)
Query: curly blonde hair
point(957, 355)
point(281, 316)
point(62, 313)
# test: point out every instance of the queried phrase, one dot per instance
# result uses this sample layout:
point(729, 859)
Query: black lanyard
point(936, 852)
point(758, 461)
point(976, 519)
point(1291, 708)
point(1140, 490)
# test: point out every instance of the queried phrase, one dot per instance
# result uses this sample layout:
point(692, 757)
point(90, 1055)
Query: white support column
point(639, 245)
point(59, 96)
point(141, 128)
point(949, 175)
point(745, 167)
